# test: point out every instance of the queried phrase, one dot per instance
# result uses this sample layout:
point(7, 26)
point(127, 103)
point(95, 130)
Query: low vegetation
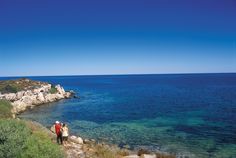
point(13, 86)
point(5, 109)
point(18, 140)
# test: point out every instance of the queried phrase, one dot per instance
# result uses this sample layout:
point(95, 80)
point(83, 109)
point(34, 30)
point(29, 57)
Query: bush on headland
point(20, 141)
point(53, 90)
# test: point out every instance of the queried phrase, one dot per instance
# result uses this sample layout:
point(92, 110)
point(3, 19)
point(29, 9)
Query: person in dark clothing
point(58, 132)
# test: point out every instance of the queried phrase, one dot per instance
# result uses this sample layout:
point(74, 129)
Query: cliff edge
point(26, 93)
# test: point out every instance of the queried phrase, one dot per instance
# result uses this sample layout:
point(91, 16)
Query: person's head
point(57, 122)
point(64, 125)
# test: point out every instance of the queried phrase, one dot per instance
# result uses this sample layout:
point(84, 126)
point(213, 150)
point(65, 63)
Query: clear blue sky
point(54, 37)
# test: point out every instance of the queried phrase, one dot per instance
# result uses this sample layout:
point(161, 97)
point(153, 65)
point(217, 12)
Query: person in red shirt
point(58, 132)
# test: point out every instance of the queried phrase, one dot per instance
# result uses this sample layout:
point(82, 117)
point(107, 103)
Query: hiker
point(58, 132)
point(65, 133)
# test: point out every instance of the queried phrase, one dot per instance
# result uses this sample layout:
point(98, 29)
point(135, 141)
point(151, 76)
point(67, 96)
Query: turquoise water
point(192, 114)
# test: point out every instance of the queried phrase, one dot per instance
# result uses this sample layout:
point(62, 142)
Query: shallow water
point(192, 114)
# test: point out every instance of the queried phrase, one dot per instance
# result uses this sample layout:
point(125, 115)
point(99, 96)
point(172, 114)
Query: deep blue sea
point(194, 114)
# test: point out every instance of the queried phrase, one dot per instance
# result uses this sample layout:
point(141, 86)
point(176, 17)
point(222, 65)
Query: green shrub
point(39, 145)
point(5, 109)
point(53, 90)
point(13, 135)
point(19, 141)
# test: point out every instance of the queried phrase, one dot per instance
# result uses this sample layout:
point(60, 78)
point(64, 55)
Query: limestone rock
point(19, 95)
point(40, 97)
point(27, 100)
point(50, 97)
point(10, 96)
point(80, 140)
point(77, 140)
point(148, 156)
point(60, 89)
point(59, 96)
point(18, 106)
point(30, 97)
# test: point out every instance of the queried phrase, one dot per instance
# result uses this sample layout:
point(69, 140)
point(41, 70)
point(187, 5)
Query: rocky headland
point(24, 93)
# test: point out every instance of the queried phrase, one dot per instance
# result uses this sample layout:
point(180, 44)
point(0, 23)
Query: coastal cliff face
point(35, 93)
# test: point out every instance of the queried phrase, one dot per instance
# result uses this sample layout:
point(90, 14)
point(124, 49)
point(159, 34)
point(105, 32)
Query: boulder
point(80, 140)
point(77, 140)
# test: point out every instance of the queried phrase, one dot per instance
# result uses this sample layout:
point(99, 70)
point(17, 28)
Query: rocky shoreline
point(34, 93)
point(31, 97)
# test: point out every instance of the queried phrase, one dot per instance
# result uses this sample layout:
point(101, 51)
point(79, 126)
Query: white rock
point(50, 97)
point(59, 96)
point(28, 93)
point(40, 97)
point(73, 137)
point(10, 96)
point(19, 95)
point(60, 89)
point(77, 140)
point(18, 106)
point(148, 156)
point(28, 100)
point(80, 140)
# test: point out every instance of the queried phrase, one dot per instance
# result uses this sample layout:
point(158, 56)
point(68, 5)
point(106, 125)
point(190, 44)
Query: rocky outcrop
point(25, 99)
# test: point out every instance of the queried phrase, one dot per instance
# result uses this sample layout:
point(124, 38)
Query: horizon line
point(129, 74)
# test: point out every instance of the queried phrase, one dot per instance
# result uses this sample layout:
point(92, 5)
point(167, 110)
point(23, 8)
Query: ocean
point(192, 114)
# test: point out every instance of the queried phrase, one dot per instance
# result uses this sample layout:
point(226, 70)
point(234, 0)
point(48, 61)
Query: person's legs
point(65, 140)
point(61, 138)
point(58, 137)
